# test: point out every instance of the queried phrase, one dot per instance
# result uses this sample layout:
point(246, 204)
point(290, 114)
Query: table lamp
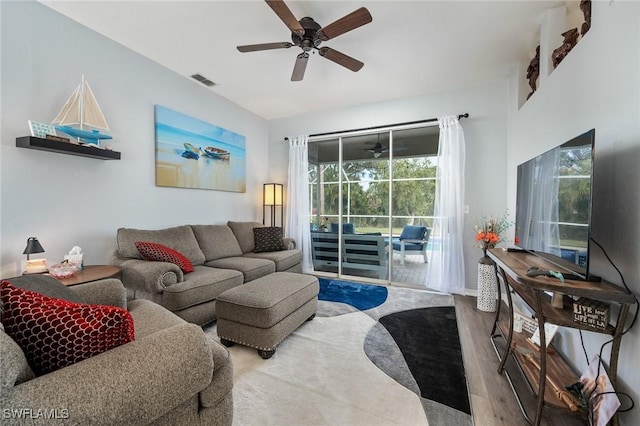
point(34, 266)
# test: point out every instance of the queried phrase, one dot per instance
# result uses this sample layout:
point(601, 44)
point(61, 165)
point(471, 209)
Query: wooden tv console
point(550, 369)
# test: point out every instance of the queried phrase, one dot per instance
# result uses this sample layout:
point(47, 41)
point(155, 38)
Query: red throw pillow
point(160, 253)
point(54, 333)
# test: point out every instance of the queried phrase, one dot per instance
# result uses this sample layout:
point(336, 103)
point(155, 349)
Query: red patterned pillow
point(161, 253)
point(54, 333)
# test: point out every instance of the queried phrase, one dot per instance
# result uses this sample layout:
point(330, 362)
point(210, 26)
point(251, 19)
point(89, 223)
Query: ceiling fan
point(380, 149)
point(308, 34)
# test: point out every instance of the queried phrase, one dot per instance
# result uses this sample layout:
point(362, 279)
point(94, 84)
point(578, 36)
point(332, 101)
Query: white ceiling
point(410, 48)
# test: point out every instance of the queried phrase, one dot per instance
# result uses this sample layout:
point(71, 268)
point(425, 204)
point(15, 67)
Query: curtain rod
point(407, 123)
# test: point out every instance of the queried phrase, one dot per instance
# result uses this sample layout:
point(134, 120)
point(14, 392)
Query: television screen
point(553, 205)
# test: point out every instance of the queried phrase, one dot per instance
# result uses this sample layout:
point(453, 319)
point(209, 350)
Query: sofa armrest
point(109, 291)
point(289, 243)
point(152, 277)
point(135, 383)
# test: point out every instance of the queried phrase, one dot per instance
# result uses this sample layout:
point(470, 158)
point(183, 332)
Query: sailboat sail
point(92, 113)
point(70, 113)
point(82, 109)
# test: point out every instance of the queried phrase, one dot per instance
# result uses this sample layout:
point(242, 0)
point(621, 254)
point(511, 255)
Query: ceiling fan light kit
point(307, 34)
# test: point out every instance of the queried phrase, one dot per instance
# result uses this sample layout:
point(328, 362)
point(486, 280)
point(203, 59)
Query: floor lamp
point(272, 199)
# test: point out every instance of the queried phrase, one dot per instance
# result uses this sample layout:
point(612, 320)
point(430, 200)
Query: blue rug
point(360, 296)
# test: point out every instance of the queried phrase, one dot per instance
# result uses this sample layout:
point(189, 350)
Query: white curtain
point(297, 222)
point(446, 265)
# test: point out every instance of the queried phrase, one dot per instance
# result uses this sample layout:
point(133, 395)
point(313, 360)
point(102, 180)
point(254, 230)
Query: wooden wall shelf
point(31, 142)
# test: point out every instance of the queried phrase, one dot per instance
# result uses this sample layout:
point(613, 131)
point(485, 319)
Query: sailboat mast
point(82, 103)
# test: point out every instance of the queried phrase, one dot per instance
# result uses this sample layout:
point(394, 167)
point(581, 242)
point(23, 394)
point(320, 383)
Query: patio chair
point(347, 228)
point(413, 240)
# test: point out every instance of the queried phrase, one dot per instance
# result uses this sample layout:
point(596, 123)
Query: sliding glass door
point(413, 194)
point(365, 190)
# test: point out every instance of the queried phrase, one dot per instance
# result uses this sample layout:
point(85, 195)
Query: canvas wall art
point(191, 153)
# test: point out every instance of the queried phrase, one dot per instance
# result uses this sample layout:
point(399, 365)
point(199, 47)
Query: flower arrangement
point(489, 234)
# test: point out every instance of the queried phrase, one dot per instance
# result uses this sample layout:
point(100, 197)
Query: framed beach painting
point(191, 153)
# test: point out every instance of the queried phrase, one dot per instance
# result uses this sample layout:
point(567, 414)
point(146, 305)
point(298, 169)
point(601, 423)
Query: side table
point(92, 273)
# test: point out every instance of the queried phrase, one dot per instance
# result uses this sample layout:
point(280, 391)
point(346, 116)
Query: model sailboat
point(82, 109)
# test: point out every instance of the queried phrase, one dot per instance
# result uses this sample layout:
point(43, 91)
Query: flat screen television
point(553, 206)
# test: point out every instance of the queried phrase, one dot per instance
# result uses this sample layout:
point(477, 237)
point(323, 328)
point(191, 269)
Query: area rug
point(372, 356)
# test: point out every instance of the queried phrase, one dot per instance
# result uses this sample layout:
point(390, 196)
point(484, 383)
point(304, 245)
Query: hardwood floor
point(492, 400)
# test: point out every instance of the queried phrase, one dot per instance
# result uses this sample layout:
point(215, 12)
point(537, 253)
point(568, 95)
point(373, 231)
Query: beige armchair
point(172, 374)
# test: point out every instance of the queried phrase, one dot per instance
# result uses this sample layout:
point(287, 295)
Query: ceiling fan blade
point(349, 22)
point(300, 67)
point(264, 46)
point(341, 59)
point(283, 12)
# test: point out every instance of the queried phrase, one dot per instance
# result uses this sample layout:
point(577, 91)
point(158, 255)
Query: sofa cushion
point(15, 369)
point(244, 234)
point(410, 232)
point(268, 238)
point(251, 268)
point(54, 333)
point(204, 284)
point(47, 285)
point(347, 228)
point(284, 259)
point(161, 253)
point(179, 238)
point(216, 241)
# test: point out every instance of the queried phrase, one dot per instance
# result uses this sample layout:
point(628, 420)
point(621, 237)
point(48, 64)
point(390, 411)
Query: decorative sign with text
point(591, 313)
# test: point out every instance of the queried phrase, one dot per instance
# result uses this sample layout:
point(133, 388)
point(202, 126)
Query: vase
point(487, 284)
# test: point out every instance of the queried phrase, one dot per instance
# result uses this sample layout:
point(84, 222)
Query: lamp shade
point(272, 201)
point(272, 194)
point(33, 246)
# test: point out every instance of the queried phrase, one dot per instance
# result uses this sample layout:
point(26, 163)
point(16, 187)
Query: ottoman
point(262, 312)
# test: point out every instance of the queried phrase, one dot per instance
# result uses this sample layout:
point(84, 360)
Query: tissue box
point(74, 258)
point(592, 313)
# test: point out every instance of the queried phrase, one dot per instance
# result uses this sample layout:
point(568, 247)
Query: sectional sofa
point(223, 257)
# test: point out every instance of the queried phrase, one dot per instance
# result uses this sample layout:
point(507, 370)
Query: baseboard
point(471, 292)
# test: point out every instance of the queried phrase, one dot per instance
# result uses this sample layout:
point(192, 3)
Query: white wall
point(67, 200)
point(485, 134)
point(596, 86)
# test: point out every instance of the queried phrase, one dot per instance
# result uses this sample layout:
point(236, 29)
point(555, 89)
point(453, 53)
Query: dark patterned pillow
point(54, 333)
point(268, 239)
point(161, 253)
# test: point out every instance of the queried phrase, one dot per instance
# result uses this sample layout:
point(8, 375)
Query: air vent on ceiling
point(202, 79)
